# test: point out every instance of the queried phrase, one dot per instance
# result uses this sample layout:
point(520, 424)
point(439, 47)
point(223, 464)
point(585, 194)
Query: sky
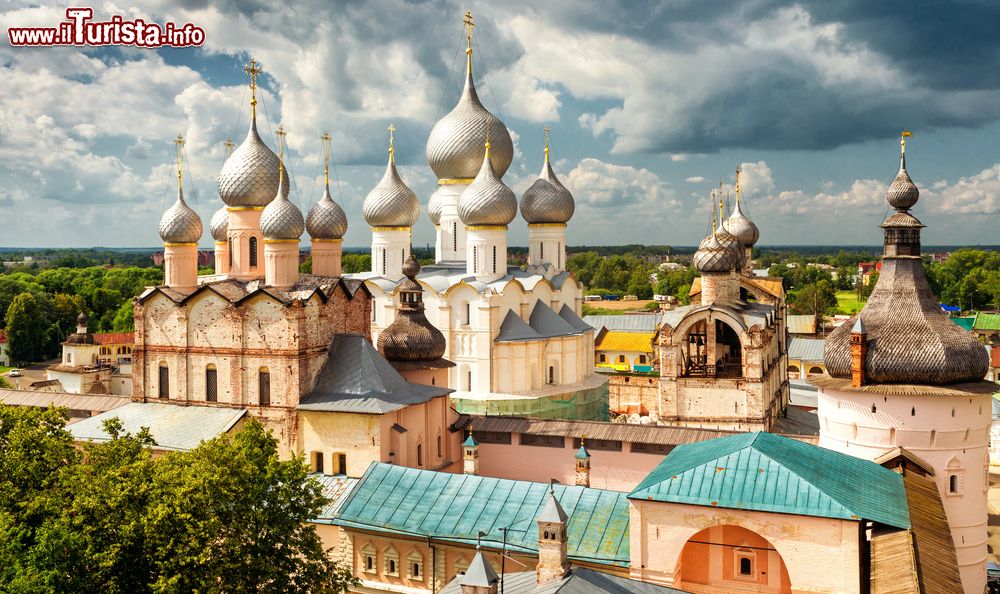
point(650, 105)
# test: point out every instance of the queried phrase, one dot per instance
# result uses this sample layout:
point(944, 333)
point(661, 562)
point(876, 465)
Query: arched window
point(230, 250)
point(369, 562)
point(468, 314)
point(439, 446)
point(164, 387)
point(953, 484)
point(415, 564)
point(264, 386)
point(383, 260)
point(318, 462)
point(468, 381)
point(211, 384)
point(954, 471)
point(541, 250)
point(494, 259)
point(552, 374)
point(746, 566)
point(475, 259)
point(253, 252)
point(454, 236)
point(420, 454)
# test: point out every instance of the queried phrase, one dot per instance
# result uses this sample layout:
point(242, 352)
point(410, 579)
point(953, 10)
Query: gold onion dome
point(712, 256)
point(391, 203)
point(547, 200)
point(455, 145)
point(219, 225)
point(180, 223)
point(487, 201)
point(910, 340)
point(281, 219)
point(410, 337)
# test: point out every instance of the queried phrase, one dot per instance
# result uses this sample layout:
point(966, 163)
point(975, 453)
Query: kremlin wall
point(449, 410)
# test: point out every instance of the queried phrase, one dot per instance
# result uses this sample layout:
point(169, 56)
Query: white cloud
point(696, 179)
point(975, 195)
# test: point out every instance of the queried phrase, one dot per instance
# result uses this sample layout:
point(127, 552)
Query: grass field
point(597, 308)
point(847, 302)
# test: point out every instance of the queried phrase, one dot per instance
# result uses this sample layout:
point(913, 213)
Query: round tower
point(180, 229)
point(547, 206)
point(327, 224)
point(391, 209)
point(904, 375)
point(455, 152)
point(281, 225)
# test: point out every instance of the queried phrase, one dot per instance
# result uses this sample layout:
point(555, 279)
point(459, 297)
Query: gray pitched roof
point(513, 328)
point(548, 323)
point(174, 427)
point(579, 581)
point(552, 512)
point(480, 573)
point(646, 322)
point(574, 320)
point(356, 378)
point(805, 349)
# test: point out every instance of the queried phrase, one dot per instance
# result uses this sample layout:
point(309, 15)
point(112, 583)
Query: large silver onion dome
point(180, 223)
point(487, 200)
point(742, 227)
point(455, 146)
point(326, 219)
point(902, 193)
point(391, 203)
point(713, 256)
point(281, 219)
point(547, 200)
point(250, 174)
point(730, 242)
point(219, 225)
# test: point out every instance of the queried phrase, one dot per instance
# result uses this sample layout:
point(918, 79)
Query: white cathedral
point(514, 335)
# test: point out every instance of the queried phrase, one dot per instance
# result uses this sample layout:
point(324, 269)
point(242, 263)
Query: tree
point(124, 318)
point(27, 328)
point(817, 299)
point(306, 266)
point(352, 263)
point(638, 284)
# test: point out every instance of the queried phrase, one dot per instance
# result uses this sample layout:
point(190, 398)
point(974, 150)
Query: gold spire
point(738, 185)
point(326, 138)
point(470, 24)
point(487, 140)
point(902, 141)
point(547, 146)
point(281, 156)
point(229, 147)
point(253, 70)
point(392, 149)
point(179, 141)
point(722, 214)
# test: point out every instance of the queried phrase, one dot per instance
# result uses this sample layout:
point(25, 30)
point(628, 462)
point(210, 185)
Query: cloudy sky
point(650, 104)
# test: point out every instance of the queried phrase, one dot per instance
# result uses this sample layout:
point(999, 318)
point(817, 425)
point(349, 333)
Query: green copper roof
point(582, 453)
point(965, 322)
point(767, 472)
point(452, 507)
point(470, 441)
point(986, 321)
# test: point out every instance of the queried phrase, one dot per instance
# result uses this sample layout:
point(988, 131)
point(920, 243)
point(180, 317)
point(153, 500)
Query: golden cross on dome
point(326, 138)
point(902, 140)
point(179, 141)
point(229, 147)
point(546, 144)
point(470, 24)
point(392, 149)
point(737, 184)
point(487, 122)
point(281, 154)
point(253, 70)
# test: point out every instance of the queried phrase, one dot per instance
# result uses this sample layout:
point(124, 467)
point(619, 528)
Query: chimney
point(479, 578)
point(582, 465)
point(553, 563)
point(859, 351)
point(470, 455)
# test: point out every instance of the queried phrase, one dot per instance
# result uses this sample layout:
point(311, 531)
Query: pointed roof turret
point(180, 223)
point(487, 201)
point(391, 203)
point(326, 219)
point(552, 513)
point(281, 220)
point(547, 200)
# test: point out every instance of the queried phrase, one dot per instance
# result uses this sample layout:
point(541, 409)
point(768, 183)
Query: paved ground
point(32, 373)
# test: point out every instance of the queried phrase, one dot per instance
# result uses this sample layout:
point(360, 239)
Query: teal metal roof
point(454, 507)
point(767, 472)
point(966, 322)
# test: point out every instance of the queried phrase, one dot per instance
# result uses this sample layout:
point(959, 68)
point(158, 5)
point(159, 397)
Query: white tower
point(906, 376)
point(486, 208)
point(547, 206)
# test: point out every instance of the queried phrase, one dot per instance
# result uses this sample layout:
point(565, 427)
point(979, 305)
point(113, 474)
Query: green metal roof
point(965, 322)
point(470, 441)
point(985, 321)
point(767, 472)
point(454, 507)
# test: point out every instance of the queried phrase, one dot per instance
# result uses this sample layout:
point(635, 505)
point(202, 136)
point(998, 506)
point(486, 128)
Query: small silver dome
point(713, 256)
point(742, 227)
point(448, 194)
point(547, 200)
point(326, 219)
point(487, 200)
point(391, 203)
point(902, 193)
point(434, 207)
point(250, 174)
point(281, 219)
point(219, 225)
point(455, 145)
point(731, 243)
point(180, 223)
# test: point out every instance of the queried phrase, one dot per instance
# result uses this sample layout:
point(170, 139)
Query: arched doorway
point(731, 559)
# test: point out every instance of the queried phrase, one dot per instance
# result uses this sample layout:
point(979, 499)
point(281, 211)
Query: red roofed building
point(4, 349)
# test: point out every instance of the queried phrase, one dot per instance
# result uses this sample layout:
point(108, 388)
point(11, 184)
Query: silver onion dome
point(434, 208)
point(742, 227)
point(455, 146)
point(219, 225)
point(712, 256)
point(326, 219)
point(281, 219)
point(250, 174)
point(547, 200)
point(180, 223)
point(902, 193)
point(487, 200)
point(391, 203)
point(730, 242)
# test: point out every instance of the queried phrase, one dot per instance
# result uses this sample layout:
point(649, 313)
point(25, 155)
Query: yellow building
point(623, 351)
